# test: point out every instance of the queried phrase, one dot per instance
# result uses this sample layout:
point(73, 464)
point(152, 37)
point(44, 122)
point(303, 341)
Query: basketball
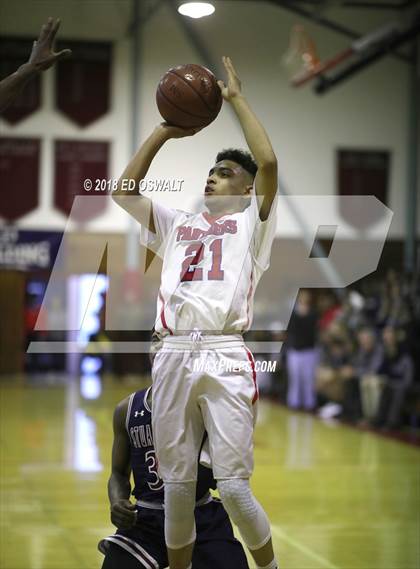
point(188, 96)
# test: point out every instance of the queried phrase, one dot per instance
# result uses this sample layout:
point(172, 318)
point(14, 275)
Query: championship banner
point(83, 81)
point(14, 52)
point(19, 173)
point(28, 250)
point(76, 163)
point(362, 173)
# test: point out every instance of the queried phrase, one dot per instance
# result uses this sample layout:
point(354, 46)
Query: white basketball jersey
point(211, 267)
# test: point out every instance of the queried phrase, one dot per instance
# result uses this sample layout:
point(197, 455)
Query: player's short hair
point(241, 157)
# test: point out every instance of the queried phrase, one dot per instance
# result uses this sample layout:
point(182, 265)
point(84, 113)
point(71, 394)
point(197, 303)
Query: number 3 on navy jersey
point(194, 255)
point(152, 467)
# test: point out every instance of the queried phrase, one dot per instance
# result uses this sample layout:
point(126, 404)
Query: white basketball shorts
point(205, 385)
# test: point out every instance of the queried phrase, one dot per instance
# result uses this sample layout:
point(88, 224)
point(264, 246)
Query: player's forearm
point(119, 488)
point(255, 134)
point(140, 163)
point(11, 86)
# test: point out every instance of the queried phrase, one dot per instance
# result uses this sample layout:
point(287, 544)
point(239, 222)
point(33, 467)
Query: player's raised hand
point(43, 55)
point(233, 87)
point(177, 131)
point(123, 514)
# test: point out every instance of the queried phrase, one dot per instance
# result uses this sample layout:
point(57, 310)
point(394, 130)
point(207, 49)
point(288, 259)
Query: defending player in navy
point(139, 541)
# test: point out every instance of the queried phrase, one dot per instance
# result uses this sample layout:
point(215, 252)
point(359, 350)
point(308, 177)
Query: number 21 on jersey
point(194, 255)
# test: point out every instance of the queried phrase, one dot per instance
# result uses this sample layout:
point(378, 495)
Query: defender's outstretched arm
point(42, 57)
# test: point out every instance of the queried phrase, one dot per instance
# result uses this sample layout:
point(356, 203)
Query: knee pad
point(245, 511)
point(179, 514)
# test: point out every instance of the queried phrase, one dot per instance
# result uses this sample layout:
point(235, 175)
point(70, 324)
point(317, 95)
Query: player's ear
point(248, 189)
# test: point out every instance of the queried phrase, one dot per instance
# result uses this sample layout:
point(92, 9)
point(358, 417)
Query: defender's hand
point(233, 88)
point(43, 55)
point(123, 514)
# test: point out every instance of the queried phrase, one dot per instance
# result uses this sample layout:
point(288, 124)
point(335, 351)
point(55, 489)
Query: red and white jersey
point(211, 267)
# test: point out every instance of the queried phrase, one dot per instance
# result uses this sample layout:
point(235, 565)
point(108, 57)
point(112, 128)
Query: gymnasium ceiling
point(110, 19)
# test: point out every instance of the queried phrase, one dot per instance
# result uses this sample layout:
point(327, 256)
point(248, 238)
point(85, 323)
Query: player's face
point(227, 181)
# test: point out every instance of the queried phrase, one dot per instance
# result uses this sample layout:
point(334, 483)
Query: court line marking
point(306, 550)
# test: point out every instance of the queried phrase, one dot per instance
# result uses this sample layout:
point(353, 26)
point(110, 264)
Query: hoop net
point(301, 54)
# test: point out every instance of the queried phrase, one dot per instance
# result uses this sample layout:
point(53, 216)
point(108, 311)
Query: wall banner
point(19, 175)
point(14, 52)
point(28, 250)
point(77, 161)
point(83, 81)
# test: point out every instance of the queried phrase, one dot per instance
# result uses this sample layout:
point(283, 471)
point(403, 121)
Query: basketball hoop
point(373, 42)
point(301, 55)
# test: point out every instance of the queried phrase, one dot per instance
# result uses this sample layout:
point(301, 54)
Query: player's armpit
point(139, 207)
point(136, 171)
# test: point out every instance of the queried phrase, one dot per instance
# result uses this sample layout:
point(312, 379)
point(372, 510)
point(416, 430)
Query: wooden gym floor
point(337, 498)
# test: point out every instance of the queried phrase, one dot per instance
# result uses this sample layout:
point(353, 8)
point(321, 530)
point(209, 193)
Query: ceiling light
point(196, 9)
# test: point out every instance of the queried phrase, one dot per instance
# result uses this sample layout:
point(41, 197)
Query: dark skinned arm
point(42, 57)
point(123, 511)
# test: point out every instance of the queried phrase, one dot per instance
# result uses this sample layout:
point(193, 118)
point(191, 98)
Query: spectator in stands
point(367, 362)
point(331, 374)
point(396, 372)
point(352, 313)
point(329, 309)
point(371, 380)
point(302, 353)
point(394, 309)
point(362, 388)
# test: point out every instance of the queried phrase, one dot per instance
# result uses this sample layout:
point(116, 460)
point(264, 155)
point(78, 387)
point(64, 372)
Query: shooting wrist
point(161, 134)
point(238, 100)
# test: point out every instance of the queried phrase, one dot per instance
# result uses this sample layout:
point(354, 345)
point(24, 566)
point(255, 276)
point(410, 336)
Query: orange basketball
point(189, 96)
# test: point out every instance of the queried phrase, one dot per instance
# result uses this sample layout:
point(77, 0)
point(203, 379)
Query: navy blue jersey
point(147, 484)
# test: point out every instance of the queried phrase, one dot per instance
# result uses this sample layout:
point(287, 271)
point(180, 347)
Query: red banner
point(362, 173)
point(19, 173)
point(14, 52)
point(75, 162)
point(83, 81)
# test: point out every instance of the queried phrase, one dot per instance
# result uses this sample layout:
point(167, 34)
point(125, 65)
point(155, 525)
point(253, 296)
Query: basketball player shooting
point(212, 262)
